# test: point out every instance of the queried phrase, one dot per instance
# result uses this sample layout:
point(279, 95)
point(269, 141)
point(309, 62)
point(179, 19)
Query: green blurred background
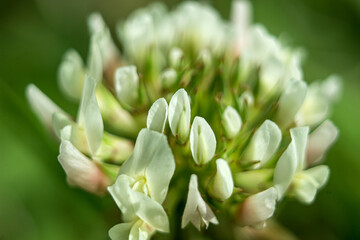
point(35, 201)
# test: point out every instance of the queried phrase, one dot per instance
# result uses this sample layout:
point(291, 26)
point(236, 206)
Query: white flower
point(126, 85)
point(318, 101)
point(42, 105)
point(231, 121)
point(157, 115)
point(202, 141)
point(179, 115)
point(81, 171)
point(290, 102)
point(139, 189)
point(290, 170)
point(320, 140)
point(263, 144)
point(257, 208)
point(196, 210)
point(222, 184)
point(71, 74)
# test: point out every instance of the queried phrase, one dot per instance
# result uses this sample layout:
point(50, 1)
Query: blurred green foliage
point(35, 200)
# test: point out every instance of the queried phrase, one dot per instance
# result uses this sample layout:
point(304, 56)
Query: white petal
point(127, 85)
point(157, 115)
point(264, 143)
point(231, 121)
point(320, 141)
point(258, 207)
point(152, 155)
point(120, 231)
point(332, 87)
point(80, 170)
point(179, 114)
point(299, 138)
point(290, 102)
point(320, 174)
point(222, 185)
point(90, 116)
point(202, 141)
point(304, 188)
point(285, 170)
point(41, 105)
point(95, 62)
point(196, 210)
point(71, 74)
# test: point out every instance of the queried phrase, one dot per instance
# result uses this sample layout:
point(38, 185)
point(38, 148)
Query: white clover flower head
point(229, 91)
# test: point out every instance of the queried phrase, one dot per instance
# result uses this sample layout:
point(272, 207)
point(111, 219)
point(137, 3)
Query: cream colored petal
point(179, 115)
point(320, 141)
point(127, 85)
point(258, 207)
point(42, 105)
point(231, 121)
point(157, 115)
point(80, 170)
point(290, 102)
point(202, 141)
point(222, 185)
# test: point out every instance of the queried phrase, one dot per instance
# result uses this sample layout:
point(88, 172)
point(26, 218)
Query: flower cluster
point(193, 104)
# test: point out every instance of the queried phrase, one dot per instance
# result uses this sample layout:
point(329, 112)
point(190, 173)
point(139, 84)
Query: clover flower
point(192, 100)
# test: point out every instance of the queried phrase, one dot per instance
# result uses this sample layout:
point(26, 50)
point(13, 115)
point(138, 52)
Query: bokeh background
point(36, 202)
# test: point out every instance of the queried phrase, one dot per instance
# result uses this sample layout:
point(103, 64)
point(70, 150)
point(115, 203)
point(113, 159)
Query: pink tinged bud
point(257, 208)
point(42, 105)
point(241, 17)
point(80, 170)
point(320, 141)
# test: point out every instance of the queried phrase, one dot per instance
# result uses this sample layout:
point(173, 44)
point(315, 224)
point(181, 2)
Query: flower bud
point(157, 115)
point(257, 208)
point(202, 141)
point(290, 102)
point(41, 105)
point(71, 74)
point(127, 85)
point(231, 121)
point(263, 144)
point(168, 77)
point(175, 56)
point(254, 181)
point(320, 141)
point(222, 184)
point(80, 170)
point(179, 115)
